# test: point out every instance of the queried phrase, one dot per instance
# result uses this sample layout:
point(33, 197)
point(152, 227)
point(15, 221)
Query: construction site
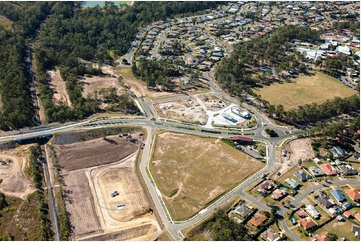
point(103, 194)
point(183, 109)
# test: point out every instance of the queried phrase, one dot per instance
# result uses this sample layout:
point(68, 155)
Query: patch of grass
point(200, 168)
point(305, 90)
point(21, 219)
point(6, 23)
point(342, 229)
point(125, 72)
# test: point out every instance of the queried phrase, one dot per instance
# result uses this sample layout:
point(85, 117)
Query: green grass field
point(6, 23)
point(191, 171)
point(304, 90)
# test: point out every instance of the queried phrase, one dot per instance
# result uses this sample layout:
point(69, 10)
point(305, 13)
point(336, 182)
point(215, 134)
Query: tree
point(299, 162)
point(3, 202)
point(332, 237)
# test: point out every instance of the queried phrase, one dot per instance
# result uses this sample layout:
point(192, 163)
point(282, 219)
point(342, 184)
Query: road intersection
point(151, 122)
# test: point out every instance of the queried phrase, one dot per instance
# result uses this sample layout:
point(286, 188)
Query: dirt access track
point(58, 86)
point(191, 171)
point(92, 171)
point(12, 165)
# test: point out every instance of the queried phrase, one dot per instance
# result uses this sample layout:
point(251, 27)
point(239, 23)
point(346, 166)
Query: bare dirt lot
point(213, 102)
point(192, 174)
point(92, 171)
point(12, 165)
point(94, 152)
point(125, 182)
point(296, 149)
point(92, 85)
point(185, 109)
point(80, 204)
point(58, 85)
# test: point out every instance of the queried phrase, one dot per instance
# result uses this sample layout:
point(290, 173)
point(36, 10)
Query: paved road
point(151, 122)
point(303, 195)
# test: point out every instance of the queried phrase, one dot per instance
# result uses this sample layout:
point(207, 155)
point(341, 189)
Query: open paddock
point(193, 174)
point(305, 89)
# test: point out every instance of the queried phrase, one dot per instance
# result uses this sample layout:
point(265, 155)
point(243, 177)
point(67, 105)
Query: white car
point(120, 206)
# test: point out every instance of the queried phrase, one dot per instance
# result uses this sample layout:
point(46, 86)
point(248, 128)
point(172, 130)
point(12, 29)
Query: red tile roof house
point(278, 194)
point(307, 223)
point(348, 214)
point(301, 213)
point(321, 237)
point(327, 168)
point(354, 194)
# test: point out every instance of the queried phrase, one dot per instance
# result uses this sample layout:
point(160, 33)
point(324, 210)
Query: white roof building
point(343, 49)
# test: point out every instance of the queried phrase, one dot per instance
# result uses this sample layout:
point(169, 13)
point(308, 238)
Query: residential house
point(354, 194)
point(311, 210)
point(258, 219)
point(292, 183)
point(347, 170)
point(321, 237)
point(307, 223)
point(332, 211)
point(279, 194)
point(346, 205)
point(328, 169)
point(356, 230)
point(338, 195)
point(266, 186)
point(301, 175)
point(357, 216)
point(242, 210)
point(325, 201)
point(337, 152)
point(270, 235)
point(348, 214)
point(339, 218)
point(315, 171)
point(301, 213)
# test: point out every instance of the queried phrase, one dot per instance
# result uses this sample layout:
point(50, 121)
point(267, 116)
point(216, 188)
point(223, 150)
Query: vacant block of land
point(191, 171)
point(80, 205)
point(94, 152)
point(305, 89)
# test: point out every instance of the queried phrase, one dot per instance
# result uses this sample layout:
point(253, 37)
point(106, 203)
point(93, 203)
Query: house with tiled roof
point(354, 194)
point(270, 235)
point(321, 237)
point(328, 169)
point(279, 194)
point(258, 219)
point(307, 223)
point(302, 214)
